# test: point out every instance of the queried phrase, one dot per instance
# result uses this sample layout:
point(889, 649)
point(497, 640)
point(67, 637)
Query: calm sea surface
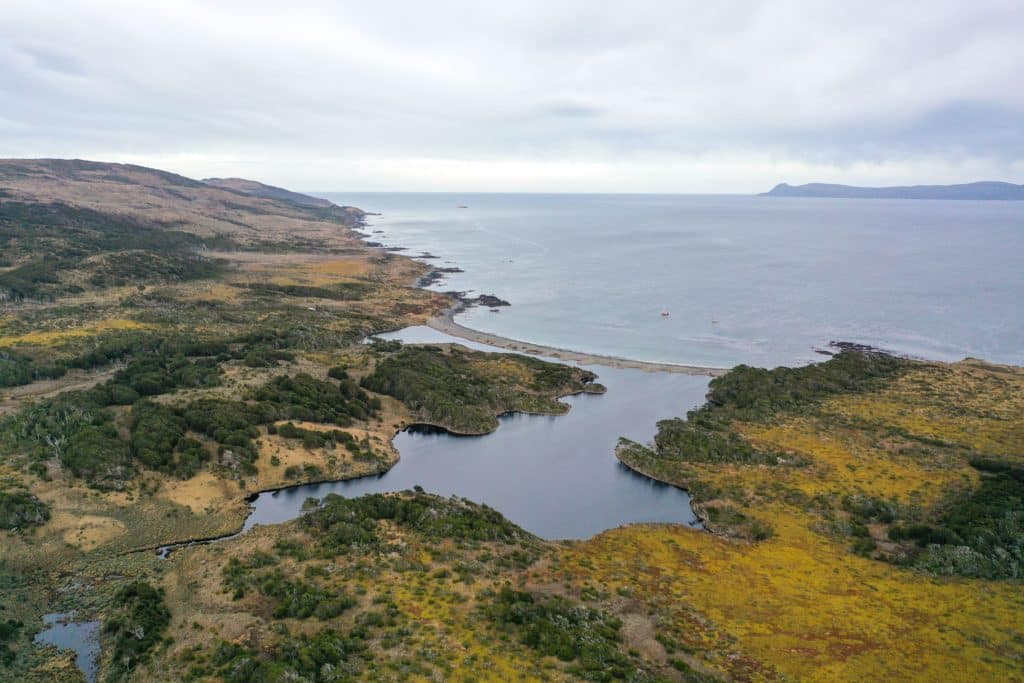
point(752, 280)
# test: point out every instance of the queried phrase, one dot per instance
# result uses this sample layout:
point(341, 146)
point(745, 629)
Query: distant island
point(980, 190)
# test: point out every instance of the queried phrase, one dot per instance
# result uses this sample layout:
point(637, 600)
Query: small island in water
point(980, 190)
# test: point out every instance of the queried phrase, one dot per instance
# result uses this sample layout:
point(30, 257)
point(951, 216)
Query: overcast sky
point(522, 96)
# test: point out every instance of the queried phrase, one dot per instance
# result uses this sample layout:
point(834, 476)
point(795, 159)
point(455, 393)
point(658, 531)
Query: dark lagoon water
point(82, 637)
point(555, 476)
point(755, 280)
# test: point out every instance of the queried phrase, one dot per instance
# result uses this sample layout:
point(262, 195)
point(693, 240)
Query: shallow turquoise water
point(746, 279)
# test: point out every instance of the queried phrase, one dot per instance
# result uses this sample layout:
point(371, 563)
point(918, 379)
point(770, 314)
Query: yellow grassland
point(801, 603)
point(438, 609)
point(53, 337)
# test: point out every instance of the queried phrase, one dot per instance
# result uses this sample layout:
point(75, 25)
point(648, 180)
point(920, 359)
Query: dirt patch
point(87, 532)
point(205, 492)
point(335, 463)
point(638, 633)
point(76, 380)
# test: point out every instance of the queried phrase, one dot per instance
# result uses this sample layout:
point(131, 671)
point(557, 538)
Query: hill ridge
point(981, 190)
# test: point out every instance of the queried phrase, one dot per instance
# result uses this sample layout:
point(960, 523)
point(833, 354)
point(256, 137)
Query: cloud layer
point(563, 96)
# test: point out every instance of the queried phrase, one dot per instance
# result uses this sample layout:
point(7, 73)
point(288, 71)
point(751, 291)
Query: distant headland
point(980, 190)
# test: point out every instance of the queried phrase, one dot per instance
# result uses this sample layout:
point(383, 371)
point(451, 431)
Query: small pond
point(82, 637)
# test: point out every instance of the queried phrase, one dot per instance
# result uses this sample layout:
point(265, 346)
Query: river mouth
point(555, 476)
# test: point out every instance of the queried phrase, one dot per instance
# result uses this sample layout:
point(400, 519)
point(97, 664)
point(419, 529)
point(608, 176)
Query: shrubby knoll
point(464, 391)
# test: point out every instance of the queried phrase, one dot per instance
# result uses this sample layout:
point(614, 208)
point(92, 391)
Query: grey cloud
point(51, 60)
point(652, 82)
point(570, 110)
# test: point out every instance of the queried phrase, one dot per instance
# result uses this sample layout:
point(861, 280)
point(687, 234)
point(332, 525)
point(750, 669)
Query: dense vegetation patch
point(465, 390)
point(10, 629)
point(343, 525)
point(148, 352)
point(159, 441)
point(19, 509)
point(118, 269)
point(232, 424)
point(750, 394)
point(109, 347)
point(302, 397)
point(587, 638)
point(747, 394)
point(17, 369)
point(79, 429)
point(340, 291)
point(327, 655)
point(134, 628)
point(328, 439)
point(154, 374)
point(289, 598)
point(48, 241)
point(980, 534)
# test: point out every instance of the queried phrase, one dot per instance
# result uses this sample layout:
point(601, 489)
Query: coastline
point(445, 322)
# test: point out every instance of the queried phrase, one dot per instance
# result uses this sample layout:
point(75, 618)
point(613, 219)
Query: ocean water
point(756, 280)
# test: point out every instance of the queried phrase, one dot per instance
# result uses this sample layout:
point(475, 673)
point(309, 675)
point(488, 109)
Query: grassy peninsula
point(169, 346)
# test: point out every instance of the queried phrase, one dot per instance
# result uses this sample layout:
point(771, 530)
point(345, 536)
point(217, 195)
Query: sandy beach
point(445, 322)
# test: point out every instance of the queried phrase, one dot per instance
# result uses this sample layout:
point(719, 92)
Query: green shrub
point(17, 370)
point(756, 395)
point(446, 389)
point(342, 524)
point(20, 509)
point(302, 397)
point(10, 629)
point(266, 357)
point(339, 291)
point(232, 424)
point(97, 454)
point(134, 628)
point(553, 626)
point(337, 372)
point(980, 533)
point(312, 438)
point(158, 441)
point(56, 238)
point(299, 658)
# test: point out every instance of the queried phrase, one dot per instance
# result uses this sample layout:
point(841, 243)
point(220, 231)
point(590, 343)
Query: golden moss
point(55, 337)
point(803, 606)
point(801, 603)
